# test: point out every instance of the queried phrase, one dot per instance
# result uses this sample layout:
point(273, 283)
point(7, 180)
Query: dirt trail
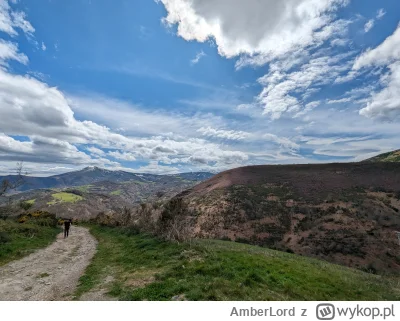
point(51, 273)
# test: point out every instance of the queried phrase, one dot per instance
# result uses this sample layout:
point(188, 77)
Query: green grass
point(31, 201)
point(117, 192)
point(64, 197)
point(84, 188)
point(20, 239)
point(145, 268)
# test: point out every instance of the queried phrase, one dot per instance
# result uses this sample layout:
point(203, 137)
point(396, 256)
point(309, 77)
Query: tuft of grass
point(117, 192)
point(43, 275)
point(64, 197)
point(220, 270)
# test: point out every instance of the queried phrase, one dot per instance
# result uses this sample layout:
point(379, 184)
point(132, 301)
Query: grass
point(117, 192)
point(144, 268)
point(20, 239)
point(64, 197)
point(84, 188)
point(31, 201)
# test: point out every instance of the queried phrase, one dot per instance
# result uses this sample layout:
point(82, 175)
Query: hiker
point(67, 224)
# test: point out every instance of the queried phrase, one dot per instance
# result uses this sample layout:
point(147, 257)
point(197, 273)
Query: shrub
point(4, 237)
point(25, 205)
point(22, 219)
point(369, 269)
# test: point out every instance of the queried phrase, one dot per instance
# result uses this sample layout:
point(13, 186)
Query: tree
point(8, 185)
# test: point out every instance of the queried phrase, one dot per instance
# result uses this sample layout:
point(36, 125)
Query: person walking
point(67, 225)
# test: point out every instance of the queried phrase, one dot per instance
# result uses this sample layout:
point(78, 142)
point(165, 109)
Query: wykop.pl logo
point(325, 311)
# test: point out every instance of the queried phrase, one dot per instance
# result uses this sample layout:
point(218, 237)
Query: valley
point(160, 236)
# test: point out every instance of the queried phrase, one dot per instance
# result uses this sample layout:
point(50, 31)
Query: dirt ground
point(51, 273)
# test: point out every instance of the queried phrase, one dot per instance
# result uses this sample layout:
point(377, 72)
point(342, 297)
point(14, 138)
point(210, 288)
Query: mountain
point(92, 174)
point(343, 213)
point(386, 157)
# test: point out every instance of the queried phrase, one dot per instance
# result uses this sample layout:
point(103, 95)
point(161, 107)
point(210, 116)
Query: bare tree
point(8, 185)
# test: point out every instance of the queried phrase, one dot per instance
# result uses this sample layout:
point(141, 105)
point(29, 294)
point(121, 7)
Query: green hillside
point(386, 157)
point(144, 268)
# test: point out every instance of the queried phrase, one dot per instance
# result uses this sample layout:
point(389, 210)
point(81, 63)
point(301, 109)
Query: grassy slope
point(65, 197)
point(20, 239)
point(144, 268)
point(386, 157)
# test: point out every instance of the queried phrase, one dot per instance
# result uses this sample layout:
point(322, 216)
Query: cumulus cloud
point(122, 156)
point(95, 151)
point(251, 27)
point(31, 108)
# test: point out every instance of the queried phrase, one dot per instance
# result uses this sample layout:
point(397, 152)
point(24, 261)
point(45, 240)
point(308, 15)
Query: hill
point(90, 175)
point(342, 213)
point(393, 156)
point(87, 201)
point(145, 268)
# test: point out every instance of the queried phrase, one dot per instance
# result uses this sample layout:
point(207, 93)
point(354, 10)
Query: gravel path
point(51, 273)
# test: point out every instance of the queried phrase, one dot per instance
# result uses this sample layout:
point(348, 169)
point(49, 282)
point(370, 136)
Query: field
point(141, 267)
point(65, 198)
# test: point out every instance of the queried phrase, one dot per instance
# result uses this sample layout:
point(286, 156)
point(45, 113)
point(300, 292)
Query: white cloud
point(196, 59)
point(280, 92)
point(9, 50)
point(155, 168)
point(385, 53)
point(44, 115)
point(384, 104)
point(251, 27)
point(10, 19)
point(43, 46)
point(369, 25)
point(122, 156)
point(339, 101)
point(282, 141)
point(19, 21)
point(224, 134)
point(380, 14)
point(96, 151)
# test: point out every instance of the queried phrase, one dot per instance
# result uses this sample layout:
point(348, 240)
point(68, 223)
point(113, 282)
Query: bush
point(25, 205)
point(4, 237)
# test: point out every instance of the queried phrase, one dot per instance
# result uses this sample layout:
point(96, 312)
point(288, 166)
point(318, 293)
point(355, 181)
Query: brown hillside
point(343, 213)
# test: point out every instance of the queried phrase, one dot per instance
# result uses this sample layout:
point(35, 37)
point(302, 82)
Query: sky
point(169, 86)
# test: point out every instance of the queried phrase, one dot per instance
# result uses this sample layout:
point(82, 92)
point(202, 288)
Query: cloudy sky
point(170, 86)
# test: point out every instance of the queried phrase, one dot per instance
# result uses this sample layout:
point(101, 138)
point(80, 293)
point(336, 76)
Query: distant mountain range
point(92, 174)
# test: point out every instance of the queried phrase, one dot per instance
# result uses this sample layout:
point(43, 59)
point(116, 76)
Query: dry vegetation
point(342, 213)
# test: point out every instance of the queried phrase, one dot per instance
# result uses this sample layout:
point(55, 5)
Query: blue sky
point(172, 86)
